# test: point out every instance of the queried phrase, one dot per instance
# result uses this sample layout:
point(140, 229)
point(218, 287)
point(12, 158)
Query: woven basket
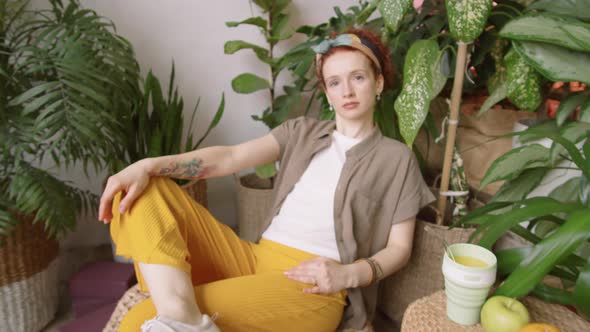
point(429, 314)
point(134, 295)
point(28, 278)
point(197, 190)
point(423, 273)
point(254, 203)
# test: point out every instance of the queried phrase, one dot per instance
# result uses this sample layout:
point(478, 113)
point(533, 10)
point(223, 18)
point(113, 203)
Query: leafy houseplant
point(273, 28)
point(549, 43)
point(155, 127)
point(566, 211)
point(66, 78)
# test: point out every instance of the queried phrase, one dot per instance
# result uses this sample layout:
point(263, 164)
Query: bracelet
point(378, 270)
point(373, 269)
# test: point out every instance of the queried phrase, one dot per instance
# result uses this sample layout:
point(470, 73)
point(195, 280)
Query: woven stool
point(133, 296)
point(428, 314)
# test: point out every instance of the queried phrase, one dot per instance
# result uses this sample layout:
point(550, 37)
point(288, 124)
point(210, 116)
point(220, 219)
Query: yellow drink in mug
point(468, 279)
point(470, 261)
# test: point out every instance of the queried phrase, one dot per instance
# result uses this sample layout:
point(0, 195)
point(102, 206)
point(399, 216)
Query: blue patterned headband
point(350, 40)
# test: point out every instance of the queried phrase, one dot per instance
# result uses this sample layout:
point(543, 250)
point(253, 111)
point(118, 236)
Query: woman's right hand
point(131, 181)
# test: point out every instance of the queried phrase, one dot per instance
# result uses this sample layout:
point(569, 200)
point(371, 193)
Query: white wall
point(192, 33)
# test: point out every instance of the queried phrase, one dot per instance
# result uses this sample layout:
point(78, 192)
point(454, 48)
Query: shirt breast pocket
point(365, 210)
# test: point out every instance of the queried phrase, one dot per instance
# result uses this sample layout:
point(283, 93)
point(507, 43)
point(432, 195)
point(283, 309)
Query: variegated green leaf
point(467, 18)
point(575, 8)
point(413, 103)
point(550, 29)
point(515, 161)
point(524, 83)
point(554, 62)
point(393, 11)
point(568, 106)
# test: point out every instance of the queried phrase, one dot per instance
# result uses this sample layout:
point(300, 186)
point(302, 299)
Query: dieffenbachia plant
point(552, 45)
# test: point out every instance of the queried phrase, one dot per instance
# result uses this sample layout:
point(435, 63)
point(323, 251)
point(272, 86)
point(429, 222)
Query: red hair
point(387, 69)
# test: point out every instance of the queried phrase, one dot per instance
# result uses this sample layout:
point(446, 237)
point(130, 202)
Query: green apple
point(503, 314)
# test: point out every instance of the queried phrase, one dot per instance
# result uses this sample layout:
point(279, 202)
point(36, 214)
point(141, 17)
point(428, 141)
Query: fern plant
point(67, 80)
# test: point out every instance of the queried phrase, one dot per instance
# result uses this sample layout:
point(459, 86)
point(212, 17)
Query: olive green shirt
point(380, 185)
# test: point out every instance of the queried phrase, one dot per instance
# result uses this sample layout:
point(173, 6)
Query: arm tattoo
point(192, 169)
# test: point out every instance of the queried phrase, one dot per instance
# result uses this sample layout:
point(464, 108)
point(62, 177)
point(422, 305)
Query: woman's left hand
point(327, 275)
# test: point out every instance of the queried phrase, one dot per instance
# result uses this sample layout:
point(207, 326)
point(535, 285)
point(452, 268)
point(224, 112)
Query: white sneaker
point(164, 324)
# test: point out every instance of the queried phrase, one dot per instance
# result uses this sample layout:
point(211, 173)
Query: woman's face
point(351, 86)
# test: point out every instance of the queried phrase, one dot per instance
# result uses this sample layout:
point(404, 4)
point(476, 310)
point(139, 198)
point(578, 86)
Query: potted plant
point(65, 78)
point(556, 227)
point(154, 128)
point(254, 191)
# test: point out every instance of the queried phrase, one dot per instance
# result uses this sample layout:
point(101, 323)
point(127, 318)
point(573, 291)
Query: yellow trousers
point(241, 282)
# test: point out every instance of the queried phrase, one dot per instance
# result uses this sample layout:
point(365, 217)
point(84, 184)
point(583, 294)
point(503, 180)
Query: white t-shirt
point(306, 218)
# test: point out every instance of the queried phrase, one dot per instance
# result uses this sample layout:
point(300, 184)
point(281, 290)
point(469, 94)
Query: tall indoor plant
point(65, 79)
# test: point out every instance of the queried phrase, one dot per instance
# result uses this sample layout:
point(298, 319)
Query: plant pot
point(474, 138)
point(28, 278)
point(254, 201)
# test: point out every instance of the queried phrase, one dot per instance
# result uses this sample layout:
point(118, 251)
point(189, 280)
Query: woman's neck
point(355, 129)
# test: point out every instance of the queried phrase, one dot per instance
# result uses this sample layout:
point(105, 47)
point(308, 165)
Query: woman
point(343, 217)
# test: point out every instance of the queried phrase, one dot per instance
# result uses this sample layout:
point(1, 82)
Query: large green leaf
point(573, 132)
point(550, 29)
point(524, 83)
point(256, 21)
point(467, 18)
point(413, 103)
point(574, 8)
point(546, 254)
point(233, 46)
point(364, 15)
point(569, 191)
point(554, 62)
point(521, 186)
point(500, 92)
point(568, 106)
point(510, 259)
point(494, 226)
point(393, 11)
point(515, 161)
point(214, 122)
point(248, 83)
point(580, 295)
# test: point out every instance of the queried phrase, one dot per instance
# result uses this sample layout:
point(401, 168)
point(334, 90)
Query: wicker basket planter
point(254, 198)
point(28, 278)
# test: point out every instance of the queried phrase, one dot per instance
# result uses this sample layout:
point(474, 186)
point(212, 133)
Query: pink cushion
point(106, 280)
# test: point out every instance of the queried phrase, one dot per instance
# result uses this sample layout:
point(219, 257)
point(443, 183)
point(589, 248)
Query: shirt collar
point(357, 151)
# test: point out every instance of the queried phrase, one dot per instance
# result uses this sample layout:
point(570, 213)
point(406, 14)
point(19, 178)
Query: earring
point(331, 108)
point(378, 96)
